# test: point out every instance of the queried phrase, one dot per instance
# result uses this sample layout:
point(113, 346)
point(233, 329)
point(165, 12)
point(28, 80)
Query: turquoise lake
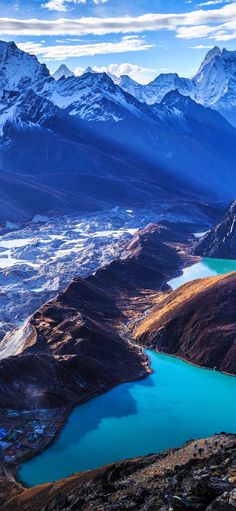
point(176, 403)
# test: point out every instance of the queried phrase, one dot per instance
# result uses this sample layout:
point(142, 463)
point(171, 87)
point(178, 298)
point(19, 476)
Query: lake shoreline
point(69, 411)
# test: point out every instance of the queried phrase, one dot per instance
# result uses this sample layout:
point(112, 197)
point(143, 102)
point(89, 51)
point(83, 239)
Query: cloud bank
point(61, 52)
point(219, 24)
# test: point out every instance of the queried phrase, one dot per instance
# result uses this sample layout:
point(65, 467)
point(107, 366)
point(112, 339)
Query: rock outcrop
point(200, 476)
point(220, 242)
point(197, 323)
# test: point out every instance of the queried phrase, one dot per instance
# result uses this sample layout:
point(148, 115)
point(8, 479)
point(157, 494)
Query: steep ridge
point(139, 277)
point(200, 476)
point(72, 347)
point(197, 323)
point(220, 242)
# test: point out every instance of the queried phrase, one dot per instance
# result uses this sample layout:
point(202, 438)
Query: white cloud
point(61, 52)
point(210, 23)
point(64, 5)
point(201, 47)
point(138, 73)
point(214, 2)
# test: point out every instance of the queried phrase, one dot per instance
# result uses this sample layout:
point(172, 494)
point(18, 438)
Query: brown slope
point(197, 323)
point(137, 280)
point(199, 476)
point(69, 352)
point(72, 348)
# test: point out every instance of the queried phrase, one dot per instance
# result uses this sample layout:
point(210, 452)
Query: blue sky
point(140, 37)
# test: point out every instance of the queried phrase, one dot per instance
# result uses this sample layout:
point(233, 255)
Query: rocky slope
point(199, 476)
point(72, 347)
point(137, 278)
point(197, 323)
point(68, 352)
point(220, 242)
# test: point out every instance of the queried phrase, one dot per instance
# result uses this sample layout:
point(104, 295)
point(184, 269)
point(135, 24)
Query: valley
point(117, 282)
point(133, 292)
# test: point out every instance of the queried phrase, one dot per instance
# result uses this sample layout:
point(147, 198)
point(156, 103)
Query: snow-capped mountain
point(214, 85)
point(155, 91)
point(19, 70)
point(215, 82)
point(63, 70)
point(136, 89)
point(95, 97)
point(90, 142)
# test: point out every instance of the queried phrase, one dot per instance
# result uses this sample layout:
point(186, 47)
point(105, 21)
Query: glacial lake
point(176, 403)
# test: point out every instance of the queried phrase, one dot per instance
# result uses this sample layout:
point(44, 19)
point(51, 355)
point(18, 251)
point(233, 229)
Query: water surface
point(176, 403)
point(207, 267)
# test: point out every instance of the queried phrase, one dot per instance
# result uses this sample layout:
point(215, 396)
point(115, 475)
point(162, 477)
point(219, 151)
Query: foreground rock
point(220, 242)
point(197, 323)
point(200, 476)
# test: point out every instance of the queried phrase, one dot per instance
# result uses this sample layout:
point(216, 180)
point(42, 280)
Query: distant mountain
point(95, 97)
point(62, 71)
point(220, 241)
point(155, 91)
point(98, 145)
point(214, 85)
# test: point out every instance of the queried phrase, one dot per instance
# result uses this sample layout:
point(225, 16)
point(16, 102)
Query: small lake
point(176, 403)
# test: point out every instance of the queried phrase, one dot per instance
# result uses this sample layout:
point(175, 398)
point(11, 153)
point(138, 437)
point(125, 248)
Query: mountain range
point(83, 142)
point(212, 86)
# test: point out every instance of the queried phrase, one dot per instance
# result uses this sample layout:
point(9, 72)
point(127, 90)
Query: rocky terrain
point(78, 344)
point(72, 348)
point(199, 476)
point(220, 242)
point(197, 323)
point(39, 258)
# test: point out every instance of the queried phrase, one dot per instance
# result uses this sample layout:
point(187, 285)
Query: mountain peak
point(63, 70)
point(18, 69)
point(89, 69)
point(211, 55)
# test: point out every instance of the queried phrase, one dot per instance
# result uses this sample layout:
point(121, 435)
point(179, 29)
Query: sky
point(142, 38)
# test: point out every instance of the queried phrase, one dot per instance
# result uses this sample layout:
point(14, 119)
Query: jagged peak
point(211, 55)
point(62, 71)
